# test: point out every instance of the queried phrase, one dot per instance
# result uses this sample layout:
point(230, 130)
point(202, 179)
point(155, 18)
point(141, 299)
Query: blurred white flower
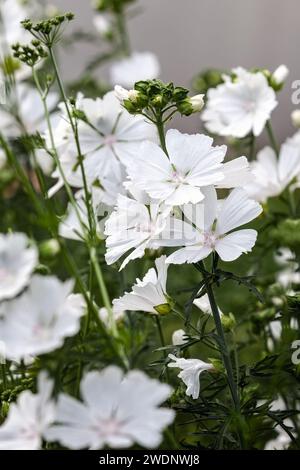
point(204, 305)
point(103, 24)
point(193, 164)
point(215, 232)
point(117, 411)
point(190, 373)
point(148, 294)
point(40, 319)
point(12, 12)
point(105, 317)
point(29, 418)
point(280, 75)
point(288, 273)
point(240, 106)
point(138, 66)
point(26, 101)
point(133, 226)
point(271, 175)
point(17, 262)
point(179, 337)
point(109, 139)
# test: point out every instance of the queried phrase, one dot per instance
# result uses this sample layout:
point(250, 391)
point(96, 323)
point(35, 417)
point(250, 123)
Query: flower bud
point(178, 337)
point(191, 105)
point(295, 117)
point(122, 94)
point(278, 77)
point(49, 248)
point(228, 321)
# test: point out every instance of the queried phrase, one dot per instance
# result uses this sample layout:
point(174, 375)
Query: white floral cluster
point(37, 314)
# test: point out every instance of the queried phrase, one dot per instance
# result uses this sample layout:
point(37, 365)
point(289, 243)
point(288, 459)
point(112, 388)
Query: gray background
point(191, 35)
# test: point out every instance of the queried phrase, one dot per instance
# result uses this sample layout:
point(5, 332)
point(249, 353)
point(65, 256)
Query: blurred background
point(192, 35)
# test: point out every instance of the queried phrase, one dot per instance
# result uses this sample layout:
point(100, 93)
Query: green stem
point(3, 369)
point(161, 133)
point(222, 341)
point(124, 37)
point(272, 137)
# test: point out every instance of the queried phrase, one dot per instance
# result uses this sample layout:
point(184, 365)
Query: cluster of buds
point(158, 96)
point(113, 6)
point(47, 31)
point(29, 54)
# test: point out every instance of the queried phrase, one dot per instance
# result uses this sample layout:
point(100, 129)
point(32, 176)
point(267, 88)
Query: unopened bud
point(279, 76)
point(49, 248)
point(228, 321)
point(295, 117)
point(191, 105)
point(179, 337)
point(122, 94)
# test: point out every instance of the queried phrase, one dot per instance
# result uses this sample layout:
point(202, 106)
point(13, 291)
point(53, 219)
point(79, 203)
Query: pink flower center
point(209, 239)
point(110, 140)
point(177, 177)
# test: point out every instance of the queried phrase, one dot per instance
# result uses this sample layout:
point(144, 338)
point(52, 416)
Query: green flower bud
point(49, 248)
point(228, 321)
point(163, 309)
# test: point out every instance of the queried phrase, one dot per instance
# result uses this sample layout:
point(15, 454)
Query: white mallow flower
point(193, 164)
point(134, 226)
point(117, 411)
point(240, 106)
point(39, 320)
point(179, 338)
point(203, 304)
point(217, 231)
point(17, 262)
point(148, 294)
point(29, 418)
point(280, 75)
point(109, 138)
point(190, 373)
point(271, 175)
point(31, 116)
point(138, 66)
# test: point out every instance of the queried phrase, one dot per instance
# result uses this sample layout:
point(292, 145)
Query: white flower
point(280, 75)
point(12, 12)
point(30, 111)
point(122, 94)
point(149, 293)
point(133, 226)
point(117, 411)
point(17, 262)
point(39, 320)
point(216, 233)
point(236, 108)
point(76, 223)
point(197, 102)
point(271, 175)
point(139, 66)
point(193, 164)
point(111, 137)
point(179, 337)
point(103, 24)
point(203, 304)
point(295, 117)
point(190, 373)
point(29, 418)
point(288, 273)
